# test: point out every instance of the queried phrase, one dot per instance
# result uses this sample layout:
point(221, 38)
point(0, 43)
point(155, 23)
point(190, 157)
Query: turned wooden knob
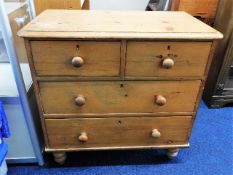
point(77, 62)
point(83, 137)
point(155, 133)
point(168, 63)
point(160, 100)
point(80, 100)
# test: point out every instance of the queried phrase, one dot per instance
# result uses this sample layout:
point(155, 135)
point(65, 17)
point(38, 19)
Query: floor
point(210, 152)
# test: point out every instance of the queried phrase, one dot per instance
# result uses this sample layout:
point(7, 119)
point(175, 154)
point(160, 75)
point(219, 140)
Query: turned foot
point(59, 157)
point(172, 152)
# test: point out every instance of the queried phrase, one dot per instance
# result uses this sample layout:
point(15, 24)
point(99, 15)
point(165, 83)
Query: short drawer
point(117, 132)
point(166, 59)
point(76, 58)
point(115, 97)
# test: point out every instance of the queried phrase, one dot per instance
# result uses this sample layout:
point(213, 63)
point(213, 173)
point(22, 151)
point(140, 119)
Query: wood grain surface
point(118, 24)
point(121, 93)
point(202, 8)
point(145, 58)
point(54, 58)
point(115, 132)
point(19, 42)
point(41, 5)
point(118, 97)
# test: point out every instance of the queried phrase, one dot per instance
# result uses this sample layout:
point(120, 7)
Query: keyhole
point(168, 47)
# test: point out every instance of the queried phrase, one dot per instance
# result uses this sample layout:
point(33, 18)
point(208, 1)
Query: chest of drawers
point(117, 80)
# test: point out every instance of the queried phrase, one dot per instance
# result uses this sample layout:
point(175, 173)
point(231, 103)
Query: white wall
point(118, 4)
point(19, 144)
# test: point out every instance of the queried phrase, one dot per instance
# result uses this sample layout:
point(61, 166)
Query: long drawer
point(115, 97)
point(117, 132)
point(76, 58)
point(166, 59)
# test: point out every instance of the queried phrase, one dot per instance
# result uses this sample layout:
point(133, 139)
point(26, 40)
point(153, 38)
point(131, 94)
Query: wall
point(118, 4)
point(20, 148)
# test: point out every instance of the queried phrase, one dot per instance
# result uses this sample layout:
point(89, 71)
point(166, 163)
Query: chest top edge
point(118, 24)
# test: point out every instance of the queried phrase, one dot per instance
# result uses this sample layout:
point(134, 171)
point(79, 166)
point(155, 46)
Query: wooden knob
point(160, 100)
point(77, 62)
point(155, 133)
point(83, 137)
point(168, 63)
point(80, 100)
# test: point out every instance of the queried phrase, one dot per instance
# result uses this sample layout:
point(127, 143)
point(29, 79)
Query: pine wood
point(83, 137)
point(182, 145)
point(80, 100)
point(64, 133)
point(148, 60)
point(160, 100)
point(202, 8)
point(113, 24)
point(55, 58)
point(41, 5)
point(168, 62)
point(172, 152)
point(36, 89)
point(60, 157)
point(123, 59)
point(77, 61)
point(18, 13)
point(117, 97)
point(155, 133)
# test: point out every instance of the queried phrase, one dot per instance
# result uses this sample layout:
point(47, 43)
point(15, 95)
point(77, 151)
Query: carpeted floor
point(210, 153)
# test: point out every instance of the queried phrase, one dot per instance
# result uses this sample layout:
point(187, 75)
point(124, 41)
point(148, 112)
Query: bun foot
point(59, 157)
point(172, 152)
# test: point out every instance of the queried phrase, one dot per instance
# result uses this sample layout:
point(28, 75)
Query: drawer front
point(114, 132)
point(167, 59)
point(76, 58)
point(114, 97)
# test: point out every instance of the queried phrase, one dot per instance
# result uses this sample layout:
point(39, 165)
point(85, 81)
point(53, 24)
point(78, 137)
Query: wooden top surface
point(118, 24)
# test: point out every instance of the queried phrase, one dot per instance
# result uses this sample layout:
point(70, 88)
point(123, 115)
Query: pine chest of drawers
point(117, 80)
